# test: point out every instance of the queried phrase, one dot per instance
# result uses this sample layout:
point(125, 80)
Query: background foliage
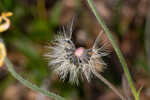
point(35, 22)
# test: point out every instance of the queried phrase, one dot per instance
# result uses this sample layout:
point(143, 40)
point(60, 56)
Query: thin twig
point(111, 86)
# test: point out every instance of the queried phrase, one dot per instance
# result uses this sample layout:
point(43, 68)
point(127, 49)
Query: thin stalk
point(111, 86)
point(147, 36)
point(28, 84)
point(117, 50)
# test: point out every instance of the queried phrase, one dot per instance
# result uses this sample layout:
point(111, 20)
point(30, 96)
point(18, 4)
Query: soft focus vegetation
point(35, 22)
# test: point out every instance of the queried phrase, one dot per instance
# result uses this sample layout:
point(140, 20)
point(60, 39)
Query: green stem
point(28, 84)
point(114, 44)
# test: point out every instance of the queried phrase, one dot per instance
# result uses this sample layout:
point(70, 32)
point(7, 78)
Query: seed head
point(67, 60)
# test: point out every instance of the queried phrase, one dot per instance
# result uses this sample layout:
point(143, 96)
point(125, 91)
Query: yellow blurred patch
point(5, 21)
point(2, 53)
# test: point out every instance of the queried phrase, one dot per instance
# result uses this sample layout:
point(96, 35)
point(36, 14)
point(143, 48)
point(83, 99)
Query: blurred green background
point(35, 22)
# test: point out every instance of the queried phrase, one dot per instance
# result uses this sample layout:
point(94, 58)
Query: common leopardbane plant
point(80, 60)
point(66, 59)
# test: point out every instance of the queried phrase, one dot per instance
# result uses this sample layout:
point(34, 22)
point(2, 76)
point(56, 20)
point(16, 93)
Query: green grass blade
point(28, 84)
point(117, 50)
